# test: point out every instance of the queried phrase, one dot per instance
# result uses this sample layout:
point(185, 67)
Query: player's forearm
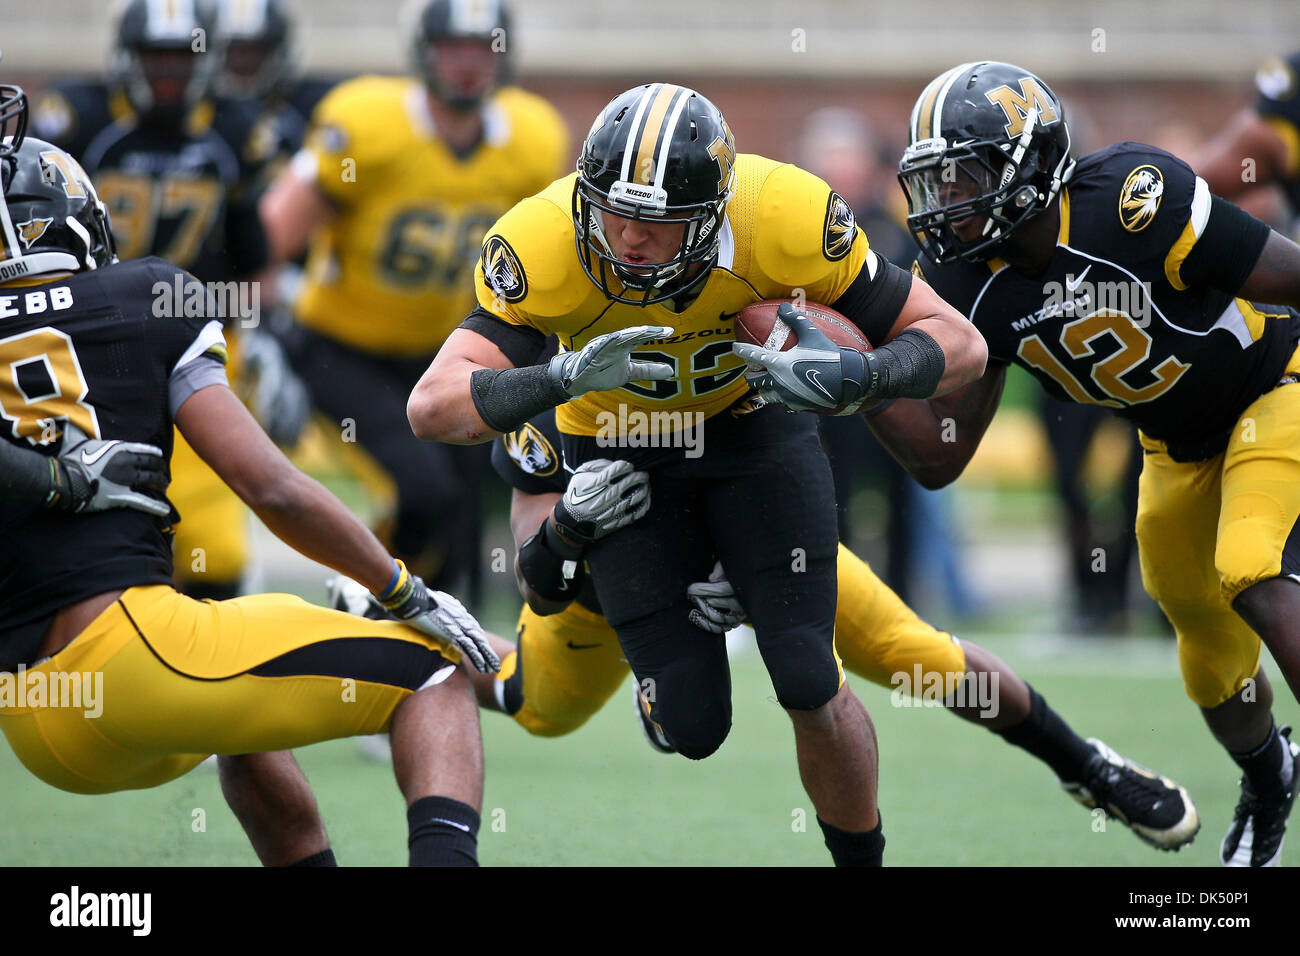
point(1276, 275)
point(25, 476)
point(934, 439)
point(965, 353)
point(290, 210)
point(441, 406)
point(306, 516)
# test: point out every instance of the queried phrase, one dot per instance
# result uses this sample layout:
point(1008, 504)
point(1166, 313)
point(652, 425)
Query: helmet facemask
point(646, 284)
point(1006, 184)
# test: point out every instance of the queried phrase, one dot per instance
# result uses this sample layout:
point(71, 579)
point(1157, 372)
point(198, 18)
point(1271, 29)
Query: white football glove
point(440, 615)
point(110, 474)
point(716, 608)
point(602, 496)
point(606, 361)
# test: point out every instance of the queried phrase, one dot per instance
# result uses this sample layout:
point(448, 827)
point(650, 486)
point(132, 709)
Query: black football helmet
point(662, 153)
point(487, 21)
point(13, 118)
point(174, 42)
point(257, 36)
point(51, 219)
point(987, 140)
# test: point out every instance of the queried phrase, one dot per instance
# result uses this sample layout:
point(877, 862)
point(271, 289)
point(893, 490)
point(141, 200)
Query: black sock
point(444, 832)
point(1263, 765)
point(324, 858)
point(854, 849)
point(1049, 738)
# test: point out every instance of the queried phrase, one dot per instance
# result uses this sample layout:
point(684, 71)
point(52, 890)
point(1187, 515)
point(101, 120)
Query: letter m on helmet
point(1016, 105)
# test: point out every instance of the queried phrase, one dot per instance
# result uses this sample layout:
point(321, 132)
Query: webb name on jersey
point(90, 350)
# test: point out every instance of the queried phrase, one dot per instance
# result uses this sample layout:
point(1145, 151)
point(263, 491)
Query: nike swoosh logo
point(1071, 286)
point(450, 823)
point(581, 647)
point(578, 499)
point(812, 376)
point(89, 459)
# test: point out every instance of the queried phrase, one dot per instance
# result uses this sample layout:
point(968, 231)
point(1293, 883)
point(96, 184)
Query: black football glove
point(94, 475)
point(814, 375)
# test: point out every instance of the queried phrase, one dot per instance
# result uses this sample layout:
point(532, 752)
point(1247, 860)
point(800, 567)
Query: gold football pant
point(1208, 530)
point(570, 663)
point(180, 679)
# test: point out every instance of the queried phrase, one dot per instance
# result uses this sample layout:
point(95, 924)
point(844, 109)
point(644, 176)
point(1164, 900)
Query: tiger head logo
point(840, 229)
point(1140, 197)
point(531, 451)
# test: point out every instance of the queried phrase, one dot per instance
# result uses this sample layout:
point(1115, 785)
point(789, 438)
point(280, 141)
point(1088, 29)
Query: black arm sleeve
point(522, 345)
point(872, 304)
point(28, 477)
point(1226, 253)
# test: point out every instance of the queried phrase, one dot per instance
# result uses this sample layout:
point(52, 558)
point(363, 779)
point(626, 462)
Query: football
point(757, 324)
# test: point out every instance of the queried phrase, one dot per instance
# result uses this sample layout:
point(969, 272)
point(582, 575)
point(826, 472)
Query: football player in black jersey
point(88, 353)
point(1261, 144)
point(176, 167)
point(1120, 280)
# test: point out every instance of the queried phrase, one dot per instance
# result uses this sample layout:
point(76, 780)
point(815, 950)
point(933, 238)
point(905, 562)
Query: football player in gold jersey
point(567, 662)
point(658, 241)
point(398, 182)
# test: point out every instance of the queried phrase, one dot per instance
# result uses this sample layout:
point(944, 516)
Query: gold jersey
point(786, 235)
point(391, 273)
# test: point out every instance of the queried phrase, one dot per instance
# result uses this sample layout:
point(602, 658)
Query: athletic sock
point(1263, 765)
point(444, 832)
point(855, 849)
point(1049, 738)
point(324, 858)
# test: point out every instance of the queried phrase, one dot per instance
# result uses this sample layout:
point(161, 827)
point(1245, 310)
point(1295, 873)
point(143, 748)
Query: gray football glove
point(606, 362)
point(716, 608)
point(95, 475)
point(602, 496)
point(814, 375)
point(276, 396)
point(440, 615)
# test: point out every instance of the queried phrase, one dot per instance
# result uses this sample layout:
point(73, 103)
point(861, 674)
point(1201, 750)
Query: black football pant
point(761, 500)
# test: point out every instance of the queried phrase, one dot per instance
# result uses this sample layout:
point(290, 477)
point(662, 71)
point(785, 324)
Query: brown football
point(757, 324)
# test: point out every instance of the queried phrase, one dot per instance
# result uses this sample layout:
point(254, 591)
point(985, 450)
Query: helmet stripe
point(646, 167)
point(924, 109)
point(953, 75)
point(8, 239)
point(661, 156)
point(629, 147)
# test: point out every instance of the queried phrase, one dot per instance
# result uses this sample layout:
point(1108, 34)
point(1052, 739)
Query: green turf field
point(951, 794)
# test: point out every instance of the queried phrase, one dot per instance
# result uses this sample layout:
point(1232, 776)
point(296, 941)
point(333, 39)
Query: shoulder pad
point(804, 232)
point(530, 260)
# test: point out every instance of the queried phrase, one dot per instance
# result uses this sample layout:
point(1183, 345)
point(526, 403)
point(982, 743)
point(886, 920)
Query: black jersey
point(186, 195)
point(529, 460)
point(107, 351)
point(1116, 320)
point(1278, 85)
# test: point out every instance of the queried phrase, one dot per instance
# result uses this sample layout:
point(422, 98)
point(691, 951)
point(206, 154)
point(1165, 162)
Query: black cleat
point(654, 734)
point(1155, 808)
point(1255, 835)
